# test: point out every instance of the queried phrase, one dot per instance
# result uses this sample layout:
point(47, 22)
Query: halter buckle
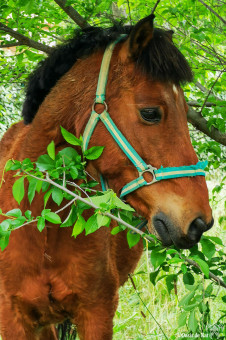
point(150, 169)
point(103, 103)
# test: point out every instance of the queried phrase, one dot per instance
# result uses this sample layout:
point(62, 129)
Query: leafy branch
point(53, 173)
point(23, 40)
point(212, 11)
point(73, 14)
point(200, 123)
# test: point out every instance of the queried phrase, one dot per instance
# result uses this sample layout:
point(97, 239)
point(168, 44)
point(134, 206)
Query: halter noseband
point(138, 162)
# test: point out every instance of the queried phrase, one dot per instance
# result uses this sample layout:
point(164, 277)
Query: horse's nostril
point(197, 227)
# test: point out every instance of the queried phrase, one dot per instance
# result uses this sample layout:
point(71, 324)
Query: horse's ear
point(141, 35)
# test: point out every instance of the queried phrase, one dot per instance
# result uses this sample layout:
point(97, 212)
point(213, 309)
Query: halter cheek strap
point(138, 162)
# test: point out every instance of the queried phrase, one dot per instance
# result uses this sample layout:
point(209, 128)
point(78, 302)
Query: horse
point(50, 277)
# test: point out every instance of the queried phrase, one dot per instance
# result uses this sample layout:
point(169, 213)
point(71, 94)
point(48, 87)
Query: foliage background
point(30, 28)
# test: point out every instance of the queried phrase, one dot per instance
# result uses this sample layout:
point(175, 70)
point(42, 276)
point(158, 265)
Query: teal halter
point(138, 162)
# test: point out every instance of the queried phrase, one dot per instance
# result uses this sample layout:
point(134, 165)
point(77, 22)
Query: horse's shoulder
point(11, 141)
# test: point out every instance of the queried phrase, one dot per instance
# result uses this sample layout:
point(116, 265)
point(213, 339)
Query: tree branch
point(73, 14)
point(13, 44)
point(207, 104)
point(204, 89)
point(91, 204)
point(23, 40)
point(119, 220)
point(155, 6)
point(211, 10)
point(211, 275)
point(200, 123)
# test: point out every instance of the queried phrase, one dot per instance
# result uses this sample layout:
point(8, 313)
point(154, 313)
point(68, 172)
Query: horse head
point(146, 103)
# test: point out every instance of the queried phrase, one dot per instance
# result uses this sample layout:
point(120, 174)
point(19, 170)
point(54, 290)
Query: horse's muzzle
point(171, 234)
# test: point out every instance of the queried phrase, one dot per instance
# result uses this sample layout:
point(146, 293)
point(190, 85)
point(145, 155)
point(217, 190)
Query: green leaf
point(184, 268)
point(91, 225)
point(132, 239)
point(52, 217)
point(188, 278)
point(14, 213)
point(103, 220)
point(47, 196)
point(18, 190)
point(71, 218)
point(57, 195)
point(152, 276)
point(116, 230)
point(8, 165)
point(69, 137)
point(5, 225)
point(186, 299)
point(192, 322)
point(79, 226)
point(28, 214)
point(39, 185)
point(97, 200)
point(18, 222)
point(41, 223)
point(16, 165)
point(74, 172)
point(31, 189)
point(203, 265)
point(51, 150)
point(4, 239)
point(44, 163)
point(182, 319)
point(209, 290)
point(208, 248)
point(120, 204)
point(215, 239)
point(157, 258)
point(94, 152)
point(170, 281)
point(68, 154)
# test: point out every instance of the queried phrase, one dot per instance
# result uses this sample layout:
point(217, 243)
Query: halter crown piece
point(138, 162)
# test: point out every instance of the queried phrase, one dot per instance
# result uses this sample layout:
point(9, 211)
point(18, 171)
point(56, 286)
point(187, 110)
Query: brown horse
point(49, 277)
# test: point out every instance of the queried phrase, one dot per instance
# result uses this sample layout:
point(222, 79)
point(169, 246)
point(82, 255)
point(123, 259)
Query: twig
point(73, 14)
point(64, 175)
point(155, 6)
point(119, 220)
point(56, 212)
point(211, 10)
point(204, 89)
point(77, 197)
point(25, 40)
point(207, 104)
point(138, 294)
point(214, 83)
point(130, 18)
point(211, 275)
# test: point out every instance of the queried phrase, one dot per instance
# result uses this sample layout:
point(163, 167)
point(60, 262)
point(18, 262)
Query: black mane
point(161, 60)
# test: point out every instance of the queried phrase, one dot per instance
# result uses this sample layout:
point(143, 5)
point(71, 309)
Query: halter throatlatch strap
point(138, 162)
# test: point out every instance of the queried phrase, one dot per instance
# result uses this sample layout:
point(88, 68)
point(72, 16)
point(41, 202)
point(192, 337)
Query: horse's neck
point(68, 104)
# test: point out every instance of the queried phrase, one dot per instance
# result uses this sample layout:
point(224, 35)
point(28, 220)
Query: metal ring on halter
point(151, 170)
point(104, 103)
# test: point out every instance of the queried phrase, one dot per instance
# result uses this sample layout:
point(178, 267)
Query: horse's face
point(152, 117)
point(154, 120)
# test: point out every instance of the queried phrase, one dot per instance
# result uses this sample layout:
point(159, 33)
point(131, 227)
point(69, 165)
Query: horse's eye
point(151, 114)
